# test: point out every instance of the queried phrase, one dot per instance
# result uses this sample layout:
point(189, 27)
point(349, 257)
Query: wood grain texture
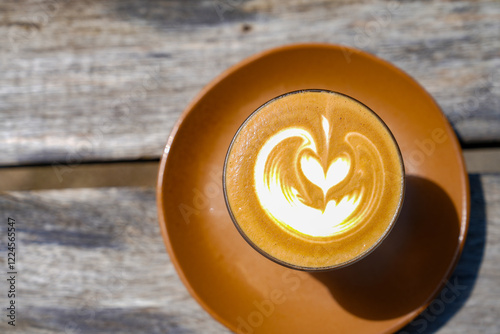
point(144, 173)
point(101, 175)
point(93, 261)
point(106, 80)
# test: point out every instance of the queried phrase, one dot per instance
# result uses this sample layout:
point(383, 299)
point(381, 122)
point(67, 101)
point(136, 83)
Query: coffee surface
point(313, 179)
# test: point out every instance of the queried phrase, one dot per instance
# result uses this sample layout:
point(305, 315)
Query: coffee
point(313, 180)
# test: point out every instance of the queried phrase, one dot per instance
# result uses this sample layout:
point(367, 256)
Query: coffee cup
point(314, 180)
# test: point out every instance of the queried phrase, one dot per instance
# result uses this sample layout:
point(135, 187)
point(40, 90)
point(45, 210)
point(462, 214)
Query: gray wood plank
point(93, 261)
point(106, 80)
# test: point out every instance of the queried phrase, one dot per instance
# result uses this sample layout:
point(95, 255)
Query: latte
point(313, 180)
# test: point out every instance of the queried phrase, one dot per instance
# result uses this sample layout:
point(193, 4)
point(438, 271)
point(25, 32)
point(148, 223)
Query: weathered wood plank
point(93, 261)
point(485, 160)
point(144, 174)
point(101, 175)
point(101, 80)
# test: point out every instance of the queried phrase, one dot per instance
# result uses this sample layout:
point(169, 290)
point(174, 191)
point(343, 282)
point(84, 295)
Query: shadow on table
point(425, 241)
point(465, 275)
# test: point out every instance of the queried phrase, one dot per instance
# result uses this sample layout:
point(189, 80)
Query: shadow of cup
point(403, 272)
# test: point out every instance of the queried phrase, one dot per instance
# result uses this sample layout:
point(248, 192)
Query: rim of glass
point(379, 241)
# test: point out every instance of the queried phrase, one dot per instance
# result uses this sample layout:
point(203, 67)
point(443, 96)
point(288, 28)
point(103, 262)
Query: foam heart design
point(280, 170)
point(314, 172)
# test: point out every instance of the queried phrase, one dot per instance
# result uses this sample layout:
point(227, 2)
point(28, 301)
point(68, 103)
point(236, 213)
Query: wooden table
point(89, 91)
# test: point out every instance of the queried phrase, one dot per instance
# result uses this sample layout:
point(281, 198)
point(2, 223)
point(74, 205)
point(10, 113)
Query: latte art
point(313, 180)
point(282, 171)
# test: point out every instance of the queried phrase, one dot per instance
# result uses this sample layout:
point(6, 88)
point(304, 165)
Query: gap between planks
point(144, 173)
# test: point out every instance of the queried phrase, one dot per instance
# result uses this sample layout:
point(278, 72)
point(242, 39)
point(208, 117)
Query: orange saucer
point(250, 294)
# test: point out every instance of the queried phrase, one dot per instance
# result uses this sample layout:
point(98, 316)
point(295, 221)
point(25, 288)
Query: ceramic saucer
point(250, 294)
